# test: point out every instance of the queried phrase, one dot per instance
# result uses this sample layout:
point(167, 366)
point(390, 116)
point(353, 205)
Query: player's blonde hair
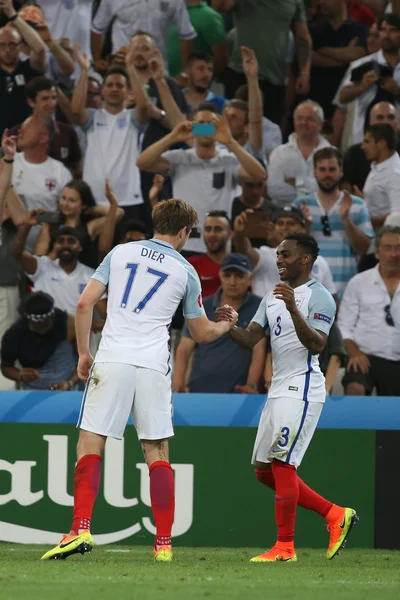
point(170, 216)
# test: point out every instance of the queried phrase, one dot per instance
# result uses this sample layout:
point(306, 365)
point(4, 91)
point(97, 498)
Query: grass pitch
point(119, 573)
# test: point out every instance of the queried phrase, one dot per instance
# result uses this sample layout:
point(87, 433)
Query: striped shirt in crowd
point(335, 248)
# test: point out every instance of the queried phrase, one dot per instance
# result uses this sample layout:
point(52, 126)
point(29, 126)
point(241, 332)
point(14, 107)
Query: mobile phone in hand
point(206, 129)
point(52, 218)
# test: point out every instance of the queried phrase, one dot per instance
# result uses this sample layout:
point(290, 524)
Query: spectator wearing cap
point(200, 72)
point(63, 278)
point(64, 146)
point(356, 165)
point(339, 221)
point(222, 366)
point(338, 40)
point(144, 15)
point(367, 324)
point(14, 72)
point(211, 37)
point(286, 221)
point(41, 344)
point(205, 174)
point(278, 19)
point(373, 78)
point(290, 170)
point(217, 233)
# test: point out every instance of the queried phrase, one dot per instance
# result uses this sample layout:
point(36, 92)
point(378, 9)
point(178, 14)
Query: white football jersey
point(146, 281)
point(295, 371)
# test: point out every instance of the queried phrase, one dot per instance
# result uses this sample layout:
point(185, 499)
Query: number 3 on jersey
point(278, 328)
point(133, 267)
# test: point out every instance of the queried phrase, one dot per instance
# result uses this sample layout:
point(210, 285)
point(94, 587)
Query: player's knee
point(355, 389)
point(89, 443)
point(155, 451)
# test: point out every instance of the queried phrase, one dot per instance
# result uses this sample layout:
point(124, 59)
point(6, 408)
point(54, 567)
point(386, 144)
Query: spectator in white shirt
point(367, 325)
point(291, 169)
point(113, 135)
point(63, 278)
point(373, 78)
point(153, 16)
point(263, 260)
point(205, 175)
point(37, 178)
point(69, 19)
point(382, 187)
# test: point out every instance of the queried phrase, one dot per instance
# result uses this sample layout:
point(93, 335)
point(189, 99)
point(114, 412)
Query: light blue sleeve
point(102, 273)
point(261, 315)
point(321, 309)
point(192, 301)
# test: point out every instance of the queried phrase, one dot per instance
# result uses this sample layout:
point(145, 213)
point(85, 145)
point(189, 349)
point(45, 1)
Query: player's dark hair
point(199, 55)
point(206, 106)
point(326, 154)
point(307, 242)
point(135, 225)
point(116, 71)
point(241, 105)
point(171, 216)
point(383, 131)
point(36, 85)
point(219, 213)
point(385, 230)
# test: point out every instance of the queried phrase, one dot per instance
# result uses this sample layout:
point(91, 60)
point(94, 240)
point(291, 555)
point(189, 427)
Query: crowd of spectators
point(269, 118)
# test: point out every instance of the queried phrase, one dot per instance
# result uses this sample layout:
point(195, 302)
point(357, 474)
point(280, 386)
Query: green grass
point(119, 573)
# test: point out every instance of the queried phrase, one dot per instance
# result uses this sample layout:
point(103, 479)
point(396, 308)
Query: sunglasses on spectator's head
point(326, 227)
point(388, 316)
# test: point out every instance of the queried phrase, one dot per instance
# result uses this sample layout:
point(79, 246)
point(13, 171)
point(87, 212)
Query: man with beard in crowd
point(64, 278)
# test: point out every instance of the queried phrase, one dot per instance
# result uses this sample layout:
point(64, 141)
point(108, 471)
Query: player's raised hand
point(226, 313)
point(283, 291)
point(110, 193)
point(223, 133)
point(84, 364)
point(156, 66)
point(155, 190)
point(81, 58)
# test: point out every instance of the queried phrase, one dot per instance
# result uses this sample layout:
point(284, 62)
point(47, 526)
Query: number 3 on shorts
point(284, 439)
point(133, 267)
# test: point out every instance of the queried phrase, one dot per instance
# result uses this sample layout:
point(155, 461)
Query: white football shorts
point(285, 430)
point(114, 390)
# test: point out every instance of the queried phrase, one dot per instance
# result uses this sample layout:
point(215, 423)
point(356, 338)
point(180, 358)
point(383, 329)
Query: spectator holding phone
point(63, 278)
point(78, 210)
point(374, 78)
point(38, 179)
point(204, 174)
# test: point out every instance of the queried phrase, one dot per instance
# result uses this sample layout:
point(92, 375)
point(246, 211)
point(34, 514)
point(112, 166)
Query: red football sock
point(286, 498)
point(86, 486)
point(307, 497)
point(162, 494)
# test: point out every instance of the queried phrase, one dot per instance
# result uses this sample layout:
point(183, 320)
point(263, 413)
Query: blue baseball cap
point(290, 211)
point(236, 261)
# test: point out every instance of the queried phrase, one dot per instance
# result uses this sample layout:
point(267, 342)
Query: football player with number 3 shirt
point(297, 315)
point(146, 281)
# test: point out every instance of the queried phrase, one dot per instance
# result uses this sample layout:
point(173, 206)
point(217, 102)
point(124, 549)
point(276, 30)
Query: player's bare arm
point(311, 338)
point(204, 331)
point(245, 337)
point(83, 324)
